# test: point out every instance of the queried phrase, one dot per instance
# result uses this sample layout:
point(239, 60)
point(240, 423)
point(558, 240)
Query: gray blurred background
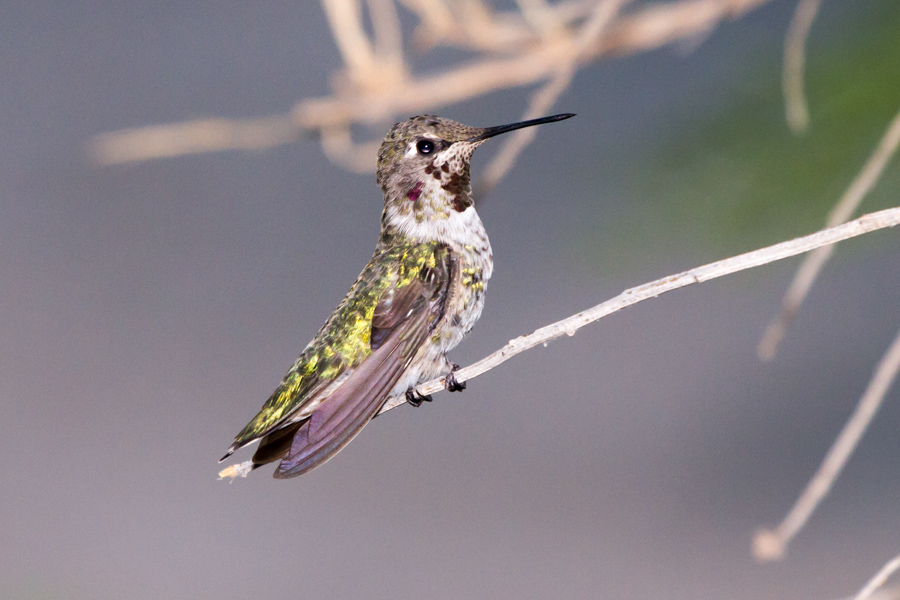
point(148, 310)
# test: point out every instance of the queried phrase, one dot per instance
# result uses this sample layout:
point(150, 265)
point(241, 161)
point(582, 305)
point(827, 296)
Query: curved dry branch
point(812, 264)
point(541, 102)
point(570, 325)
point(192, 137)
point(796, 109)
point(878, 580)
point(872, 222)
point(771, 544)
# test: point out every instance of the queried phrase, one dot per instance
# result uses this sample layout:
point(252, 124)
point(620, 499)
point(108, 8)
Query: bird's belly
point(463, 309)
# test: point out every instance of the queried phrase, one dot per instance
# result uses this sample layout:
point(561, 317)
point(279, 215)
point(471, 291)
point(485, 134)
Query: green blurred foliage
point(736, 178)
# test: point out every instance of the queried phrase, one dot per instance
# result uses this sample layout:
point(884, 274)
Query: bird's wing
point(303, 382)
point(403, 319)
point(397, 276)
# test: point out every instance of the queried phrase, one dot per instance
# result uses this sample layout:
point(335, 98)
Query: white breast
point(462, 231)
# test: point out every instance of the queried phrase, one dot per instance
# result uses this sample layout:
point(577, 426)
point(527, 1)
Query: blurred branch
point(375, 86)
point(388, 31)
point(878, 580)
point(191, 137)
point(570, 325)
point(795, 106)
point(541, 17)
point(339, 147)
point(882, 593)
point(771, 544)
point(501, 33)
point(345, 20)
point(541, 102)
point(812, 264)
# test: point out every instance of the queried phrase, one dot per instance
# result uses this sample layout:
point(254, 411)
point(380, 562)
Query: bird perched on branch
point(420, 294)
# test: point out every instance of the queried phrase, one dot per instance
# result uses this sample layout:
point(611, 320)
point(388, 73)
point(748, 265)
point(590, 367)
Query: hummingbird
point(419, 295)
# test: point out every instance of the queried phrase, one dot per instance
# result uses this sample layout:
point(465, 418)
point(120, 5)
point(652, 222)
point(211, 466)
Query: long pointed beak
point(492, 131)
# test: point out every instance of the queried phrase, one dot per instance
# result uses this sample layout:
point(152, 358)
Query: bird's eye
point(425, 147)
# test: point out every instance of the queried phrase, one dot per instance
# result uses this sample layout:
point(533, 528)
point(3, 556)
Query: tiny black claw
point(414, 398)
point(450, 382)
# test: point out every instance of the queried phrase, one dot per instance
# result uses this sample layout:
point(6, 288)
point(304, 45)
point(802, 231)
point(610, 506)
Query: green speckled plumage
point(344, 341)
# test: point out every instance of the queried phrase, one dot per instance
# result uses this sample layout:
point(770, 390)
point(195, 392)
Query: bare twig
point(570, 325)
point(541, 17)
point(882, 593)
point(878, 580)
point(388, 32)
point(812, 264)
point(340, 148)
point(375, 95)
point(192, 137)
point(795, 106)
point(436, 17)
point(510, 31)
point(345, 19)
point(872, 222)
point(771, 544)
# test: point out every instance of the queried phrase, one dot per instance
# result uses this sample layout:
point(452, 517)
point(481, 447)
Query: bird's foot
point(450, 382)
point(415, 398)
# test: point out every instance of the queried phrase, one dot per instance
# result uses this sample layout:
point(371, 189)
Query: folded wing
point(402, 321)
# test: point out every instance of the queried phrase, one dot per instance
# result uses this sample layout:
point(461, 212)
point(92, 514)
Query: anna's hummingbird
point(417, 298)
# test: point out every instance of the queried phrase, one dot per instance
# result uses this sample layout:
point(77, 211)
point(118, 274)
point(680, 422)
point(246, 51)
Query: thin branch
point(795, 105)
point(437, 20)
point(371, 101)
point(339, 147)
point(883, 593)
point(570, 325)
point(345, 19)
point(510, 31)
point(192, 137)
point(771, 545)
point(541, 17)
point(476, 19)
point(812, 264)
point(662, 24)
point(388, 32)
point(872, 222)
point(878, 580)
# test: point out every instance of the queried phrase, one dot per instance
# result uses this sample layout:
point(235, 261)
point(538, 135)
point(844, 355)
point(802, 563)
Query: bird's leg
point(450, 382)
point(415, 398)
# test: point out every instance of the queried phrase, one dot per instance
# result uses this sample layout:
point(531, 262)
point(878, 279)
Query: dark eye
point(425, 146)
